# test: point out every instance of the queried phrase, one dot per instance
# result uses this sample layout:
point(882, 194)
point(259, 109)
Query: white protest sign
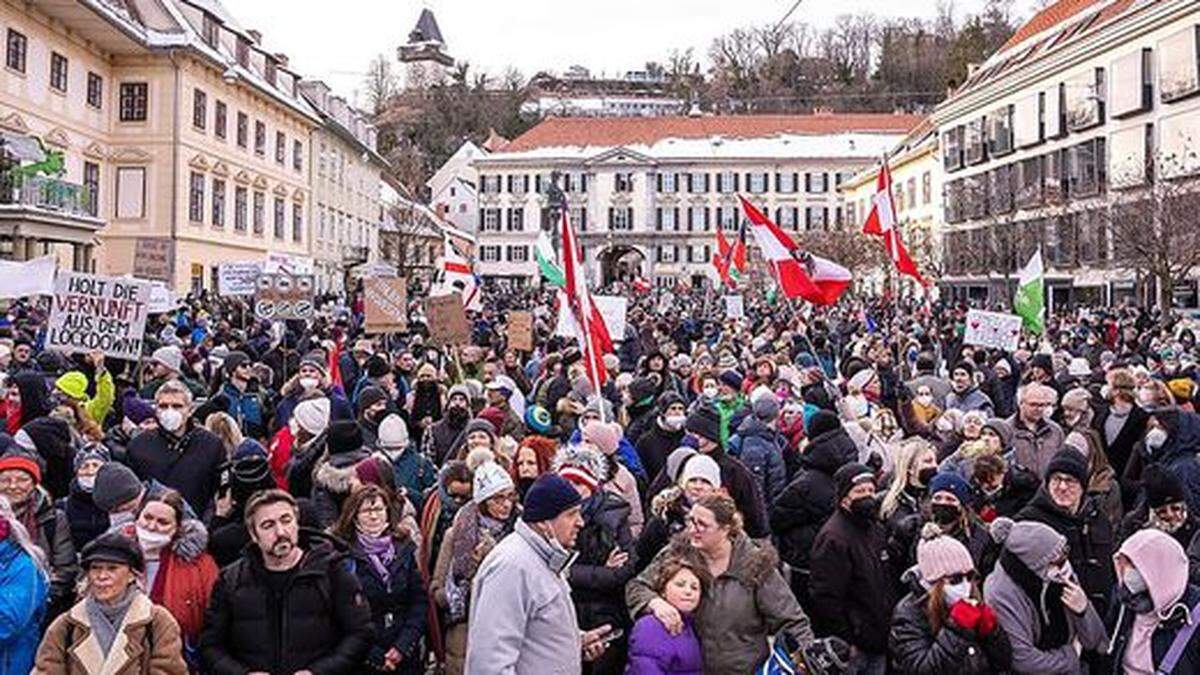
point(24, 279)
point(162, 299)
point(734, 307)
point(611, 307)
point(94, 312)
point(238, 278)
point(993, 330)
point(286, 262)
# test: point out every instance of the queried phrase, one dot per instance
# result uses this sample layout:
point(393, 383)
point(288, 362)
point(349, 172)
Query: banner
point(153, 258)
point(162, 299)
point(993, 330)
point(447, 320)
point(612, 308)
point(286, 262)
point(23, 279)
point(385, 305)
point(284, 296)
point(238, 278)
point(520, 330)
point(94, 312)
point(734, 307)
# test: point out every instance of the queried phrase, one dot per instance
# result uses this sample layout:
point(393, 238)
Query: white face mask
point(309, 383)
point(170, 419)
point(925, 400)
point(674, 422)
point(710, 392)
point(152, 541)
point(1061, 574)
point(86, 483)
point(1155, 438)
point(120, 518)
point(952, 593)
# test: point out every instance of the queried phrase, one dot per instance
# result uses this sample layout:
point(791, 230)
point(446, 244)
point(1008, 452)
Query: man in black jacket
point(289, 605)
point(850, 586)
point(705, 425)
point(664, 435)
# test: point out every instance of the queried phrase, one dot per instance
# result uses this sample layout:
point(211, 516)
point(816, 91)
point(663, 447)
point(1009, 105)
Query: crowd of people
point(850, 489)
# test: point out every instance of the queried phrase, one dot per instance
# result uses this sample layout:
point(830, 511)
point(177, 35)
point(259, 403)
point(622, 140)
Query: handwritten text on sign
point(95, 312)
point(385, 304)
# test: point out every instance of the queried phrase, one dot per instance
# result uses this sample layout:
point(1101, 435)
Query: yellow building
point(185, 136)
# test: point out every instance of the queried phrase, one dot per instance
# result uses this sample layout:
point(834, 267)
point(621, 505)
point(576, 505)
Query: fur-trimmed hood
point(749, 562)
point(332, 479)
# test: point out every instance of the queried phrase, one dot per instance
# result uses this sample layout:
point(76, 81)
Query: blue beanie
point(947, 481)
point(549, 496)
point(538, 419)
point(247, 448)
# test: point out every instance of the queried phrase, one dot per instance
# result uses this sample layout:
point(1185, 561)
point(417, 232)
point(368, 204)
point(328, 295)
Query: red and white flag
point(800, 274)
point(881, 221)
point(456, 275)
point(588, 320)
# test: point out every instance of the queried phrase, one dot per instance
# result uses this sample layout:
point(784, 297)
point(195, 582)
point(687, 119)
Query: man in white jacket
point(522, 620)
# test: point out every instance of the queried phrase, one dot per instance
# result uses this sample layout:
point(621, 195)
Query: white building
point(578, 105)
point(646, 194)
point(1089, 102)
point(453, 189)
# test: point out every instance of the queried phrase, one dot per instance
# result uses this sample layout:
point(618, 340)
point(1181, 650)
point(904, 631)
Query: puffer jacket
point(320, 623)
point(22, 605)
point(761, 449)
point(916, 650)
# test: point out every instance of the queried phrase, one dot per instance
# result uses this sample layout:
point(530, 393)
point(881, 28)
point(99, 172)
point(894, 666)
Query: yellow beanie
point(73, 384)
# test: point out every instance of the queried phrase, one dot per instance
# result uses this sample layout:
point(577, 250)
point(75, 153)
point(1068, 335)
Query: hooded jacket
point(51, 438)
point(22, 606)
point(655, 443)
point(1090, 537)
point(761, 449)
point(1178, 454)
point(915, 648)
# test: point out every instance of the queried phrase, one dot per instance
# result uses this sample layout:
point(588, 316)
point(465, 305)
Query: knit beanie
point(393, 433)
point(849, 475)
point(73, 384)
point(344, 436)
point(642, 391)
point(939, 556)
point(766, 407)
point(705, 422)
point(1182, 388)
point(702, 467)
point(169, 356)
point(822, 421)
point(116, 484)
point(489, 480)
point(377, 366)
point(19, 461)
point(369, 396)
point(861, 379)
point(1162, 487)
point(1070, 462)
point(538, 419)
point(965, 366)
point(234, 360)
point(676, 459)
point(315, 361)
point(480, 425)
point(548, 497)
point(604, 435)
point(948, 481)
point(1035, 544)
point(731, 378)
point(579, 475)
point(97, 451)
point(312, 415)
point(459, 390)
point(374, 470)
point(249, 448)
point(136, 409)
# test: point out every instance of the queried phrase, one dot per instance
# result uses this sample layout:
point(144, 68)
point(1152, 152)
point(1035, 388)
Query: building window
point(952, 149)
point(518, 253)
point(199, 109)
point(727, 218)
point(243, 52)
point(490, 185)
point(135, 99)
point(280, 148)
point(620, 219)
point(756, 183)
point(243, 129)
point(1000, 190)
point(975, 146)
point(196, 198)
point(260, 137)
point(240, 198)
point(727, 182)
point(279, 217)
point(218, 203)
point(260, 212)
point(817, 217)
point(667, 219)
point(577, 215)
point(271, 71)
point(1029, 183)
point(489, 253)
point(220, 120)
point(697, 183)
point(91, 186)
point(1085, 100)
point(786, 217)
point(1132, 86)
point(668, 182)
point(489, 220)
point(1086, 168)
point(1000, 131)
point(297, 223)
point(297, 155)
point(623, 182)
point(516, 220)
point(15, 53)
point(816, 183)
point(58, 71)
point(697, 219)
point(786, 183)
point(1178, 65)
point(211, 30)
point(95, 90)
point(517, 185)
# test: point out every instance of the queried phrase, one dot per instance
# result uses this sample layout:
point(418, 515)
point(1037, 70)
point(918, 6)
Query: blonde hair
point(907, 453)
point(225, 428)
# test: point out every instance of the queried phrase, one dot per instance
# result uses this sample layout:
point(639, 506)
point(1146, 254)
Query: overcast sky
point(334, 41)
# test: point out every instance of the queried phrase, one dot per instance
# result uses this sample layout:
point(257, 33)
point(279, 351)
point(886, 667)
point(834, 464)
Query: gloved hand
point(965, 615)
point(987, 621)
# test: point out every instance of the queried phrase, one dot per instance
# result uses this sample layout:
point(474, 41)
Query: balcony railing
point(49, 194)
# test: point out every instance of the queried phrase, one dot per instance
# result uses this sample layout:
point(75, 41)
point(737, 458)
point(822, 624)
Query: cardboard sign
point(993, 330)
point(520, 330)
point(612, 309)
point(284, 296)
point(734, 307)
point(447, 320)
point(24, 279)
point(385, 304)
point(238, 278)
point(153, 258)
point(94, 312)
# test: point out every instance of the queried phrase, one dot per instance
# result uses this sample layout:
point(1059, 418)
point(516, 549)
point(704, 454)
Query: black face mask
point(925, 475)
point(945, 514)
point(1139, 603)
point(864, 509)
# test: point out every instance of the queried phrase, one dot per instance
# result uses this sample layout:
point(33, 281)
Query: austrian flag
point(882, 222)
point(799, 273)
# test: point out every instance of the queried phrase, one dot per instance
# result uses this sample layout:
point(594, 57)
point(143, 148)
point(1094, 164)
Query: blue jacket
point(246, 408)
point(1178, 454)
point(761, 449)
point(339, 406)
point(415, 473)
point(22, 606)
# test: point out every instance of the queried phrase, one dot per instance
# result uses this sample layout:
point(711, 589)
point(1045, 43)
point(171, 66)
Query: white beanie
point(490, 480)
point(393, 433)
point(703, 467)
point(312, 415)
point(170, 356)
point(861, 379)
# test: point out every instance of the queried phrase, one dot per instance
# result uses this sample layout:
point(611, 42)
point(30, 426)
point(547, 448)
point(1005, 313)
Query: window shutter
point(796, 217)
point(658, 182)
point(807, 182)
point(611, 217)
point(481, 220)
point(707, 219)
point(658, 219)
point(583, 181)
point(583, 219)
point(629, 218)
point(526, 177)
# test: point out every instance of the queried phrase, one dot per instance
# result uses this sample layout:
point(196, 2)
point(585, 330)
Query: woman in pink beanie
point(943, 625)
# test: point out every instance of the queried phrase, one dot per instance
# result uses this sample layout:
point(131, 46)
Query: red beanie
point(22, 463)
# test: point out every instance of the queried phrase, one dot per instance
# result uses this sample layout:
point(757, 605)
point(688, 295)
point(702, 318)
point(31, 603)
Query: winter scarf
point(471, 530)
point(106, 619)
point(1046, 596)
point(380, 551)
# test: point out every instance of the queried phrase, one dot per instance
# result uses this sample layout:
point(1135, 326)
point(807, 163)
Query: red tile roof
point(618, 131)
point(1049, 18)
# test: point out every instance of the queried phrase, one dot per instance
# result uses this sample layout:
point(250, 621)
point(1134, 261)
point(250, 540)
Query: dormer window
point(243, 52)
point(211, 31)
point(270, 71)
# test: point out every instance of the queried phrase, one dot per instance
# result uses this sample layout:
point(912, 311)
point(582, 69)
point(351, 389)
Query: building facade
point(646, 195)
point(454, 188)
point(1090, 105)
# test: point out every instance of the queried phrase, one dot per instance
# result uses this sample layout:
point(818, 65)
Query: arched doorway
point(620, 263)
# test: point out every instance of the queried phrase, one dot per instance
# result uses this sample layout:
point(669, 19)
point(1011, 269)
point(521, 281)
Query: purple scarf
point(381, 551)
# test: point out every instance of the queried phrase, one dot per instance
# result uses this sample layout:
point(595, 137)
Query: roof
point(627, 131)
point(426, 29)
point(1048, 18)
point(495, 142)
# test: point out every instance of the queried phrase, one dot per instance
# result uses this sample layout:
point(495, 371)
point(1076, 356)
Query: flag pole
point(585, 340)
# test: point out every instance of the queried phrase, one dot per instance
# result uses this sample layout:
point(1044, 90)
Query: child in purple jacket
point(653, 650)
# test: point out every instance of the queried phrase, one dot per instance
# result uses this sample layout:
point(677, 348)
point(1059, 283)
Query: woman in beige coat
point(114, 629)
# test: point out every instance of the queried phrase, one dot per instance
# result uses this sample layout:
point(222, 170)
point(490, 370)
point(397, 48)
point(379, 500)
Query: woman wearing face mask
point(1171, 439)
point(1038, 602)
point(384, 560)
point(699, 476)
point(949, 509)
point(943, 626)
point(1152, 631)
point(115, 628)
point(87, 520)
point(179, 572)
point(916, 465)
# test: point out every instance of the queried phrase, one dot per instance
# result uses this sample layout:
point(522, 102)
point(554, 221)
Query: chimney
point(255, 36)
point(695, 110)
point(972, 68)
point(281, 59)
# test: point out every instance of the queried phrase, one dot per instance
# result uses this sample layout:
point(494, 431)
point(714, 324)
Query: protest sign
point(94, 312)
point(277, 263)
point(385, 304)
point(612, 309)
point(447, 320)
point(23, 279)
point(734, 307)
point(520, 330)
point(162, 299)
point(994, 330)
point(284, 296)
point(238, 278)
point(153, 258)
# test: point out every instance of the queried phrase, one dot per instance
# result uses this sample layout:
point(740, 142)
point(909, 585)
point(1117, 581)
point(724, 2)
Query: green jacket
point(727, 409)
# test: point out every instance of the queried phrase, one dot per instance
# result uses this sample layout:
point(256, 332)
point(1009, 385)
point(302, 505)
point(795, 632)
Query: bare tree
point(380, 83)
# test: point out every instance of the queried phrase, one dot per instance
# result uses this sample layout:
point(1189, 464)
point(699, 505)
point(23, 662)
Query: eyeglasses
point(959, 577)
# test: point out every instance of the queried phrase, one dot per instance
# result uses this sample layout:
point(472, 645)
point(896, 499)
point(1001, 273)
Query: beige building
point(189, 134)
